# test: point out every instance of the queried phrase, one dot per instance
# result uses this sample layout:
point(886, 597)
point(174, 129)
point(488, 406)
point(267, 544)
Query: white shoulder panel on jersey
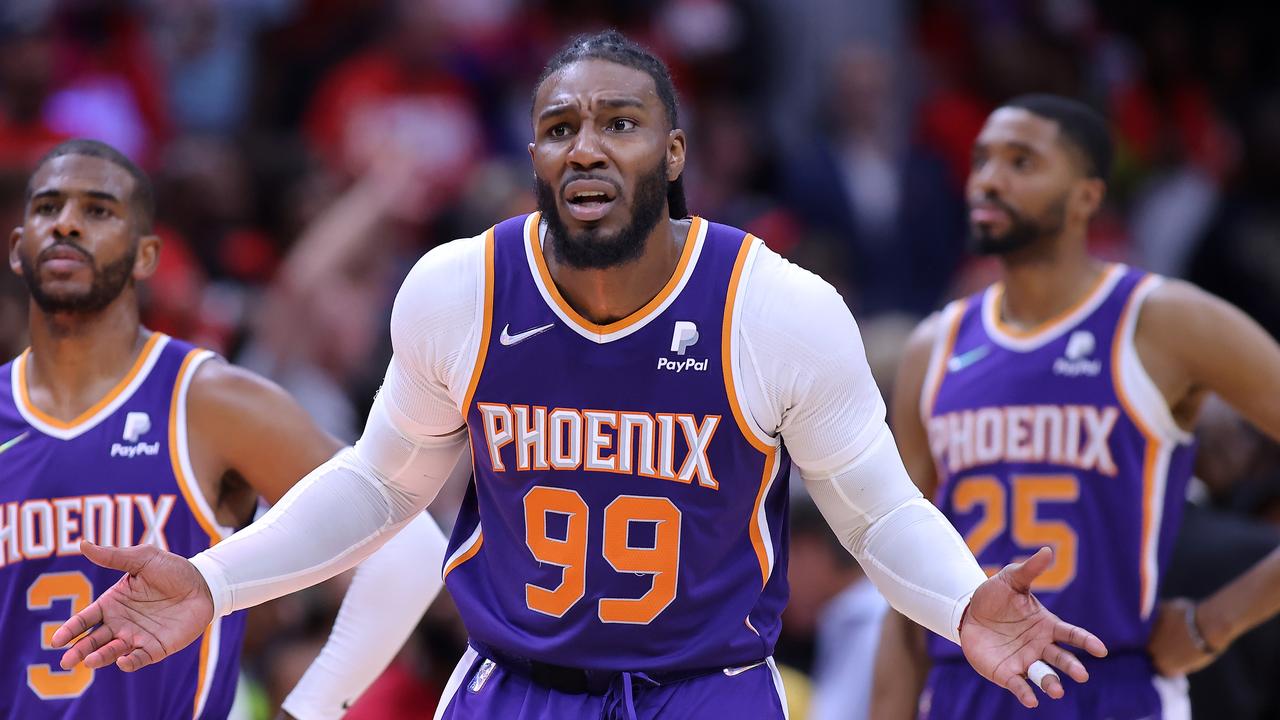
point(435, 331)
point(803, 367)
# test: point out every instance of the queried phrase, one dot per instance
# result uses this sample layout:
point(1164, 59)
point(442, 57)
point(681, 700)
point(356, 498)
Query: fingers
point(76, 626)
point(135, 660)
point(130, 559)
point(1021, 575)
point(1021, 690)
point(106, 654)
point(84, 646)
point(1065, 632)
point(1046, 679)
point(1066, 662)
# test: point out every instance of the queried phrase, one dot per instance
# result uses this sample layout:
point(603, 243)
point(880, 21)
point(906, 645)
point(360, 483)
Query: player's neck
point(1040, 286)
point(75, 360)
point(607, 295)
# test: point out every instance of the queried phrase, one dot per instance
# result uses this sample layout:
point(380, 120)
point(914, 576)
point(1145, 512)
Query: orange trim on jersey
point(757, 539)
point(1057, 321)
point(1151, 456)
point(470, 553)
point(940, 368)
point(486, 324)
point(202, 676)
point(695, 228)
point(184, 482)
point(726, 357)
point(87, 415)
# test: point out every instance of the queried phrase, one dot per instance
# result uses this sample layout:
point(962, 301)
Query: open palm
point(159, 606)
point(1006, 630)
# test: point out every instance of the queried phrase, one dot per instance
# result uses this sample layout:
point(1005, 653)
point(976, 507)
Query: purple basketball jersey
point(117, 475)
point(623, 514)
point(1060, 438)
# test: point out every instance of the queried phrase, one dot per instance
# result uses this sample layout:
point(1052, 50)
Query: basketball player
point(1055, 407)
point(123, 436)
point(634, 382)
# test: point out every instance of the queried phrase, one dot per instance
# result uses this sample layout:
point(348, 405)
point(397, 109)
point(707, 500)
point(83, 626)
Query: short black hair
point(1082, 127)
point(143, 198)
point(612, 46)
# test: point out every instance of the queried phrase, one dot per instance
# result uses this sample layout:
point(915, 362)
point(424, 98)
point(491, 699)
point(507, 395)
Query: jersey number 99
point(662, 561)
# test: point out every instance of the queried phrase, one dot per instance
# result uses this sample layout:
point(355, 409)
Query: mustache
point(997, 202)
point(64, 245)
point(572, 176)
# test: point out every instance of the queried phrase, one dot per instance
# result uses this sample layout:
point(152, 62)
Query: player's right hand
point(159, 607)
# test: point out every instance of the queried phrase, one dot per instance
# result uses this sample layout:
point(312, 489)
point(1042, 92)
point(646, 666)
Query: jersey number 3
point(661, 561)
point(46, 682)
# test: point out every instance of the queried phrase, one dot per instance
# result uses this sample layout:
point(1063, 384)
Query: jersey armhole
point(1138, 393)
point(944, 344)
point(180, 452)
point(731, 349)
point(477, 346)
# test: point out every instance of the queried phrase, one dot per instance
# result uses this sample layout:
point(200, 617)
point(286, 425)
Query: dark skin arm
point(901, 662)
point(1193, 343)
point(248, 437)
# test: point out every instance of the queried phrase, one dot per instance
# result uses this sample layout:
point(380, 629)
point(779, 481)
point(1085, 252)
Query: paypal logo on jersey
point(683, 337)
point(1075, 360)
point(136, 424)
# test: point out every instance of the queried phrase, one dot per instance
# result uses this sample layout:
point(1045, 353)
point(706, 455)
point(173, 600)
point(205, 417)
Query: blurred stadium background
point(306, 152)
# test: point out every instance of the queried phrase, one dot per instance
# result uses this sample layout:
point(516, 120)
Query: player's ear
point(148, 257)
point(15, 263)
point(1091, 193)
point(675, 154)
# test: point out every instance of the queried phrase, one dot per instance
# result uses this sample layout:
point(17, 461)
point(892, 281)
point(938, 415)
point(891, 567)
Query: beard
point(1023, 231)
point(593, 250)
point(108, 282)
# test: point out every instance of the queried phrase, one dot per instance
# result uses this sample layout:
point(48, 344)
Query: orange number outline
point(661, 562)
point(1028, 531)
point(44, 681)
point(569, 554)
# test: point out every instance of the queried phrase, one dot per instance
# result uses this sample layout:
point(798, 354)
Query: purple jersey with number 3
point(118, 475)
point(623, 516)
point(1060, 438)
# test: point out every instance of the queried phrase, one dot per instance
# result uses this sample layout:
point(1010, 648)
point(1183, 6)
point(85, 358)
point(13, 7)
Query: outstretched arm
point(902, 664)
point(335, 517)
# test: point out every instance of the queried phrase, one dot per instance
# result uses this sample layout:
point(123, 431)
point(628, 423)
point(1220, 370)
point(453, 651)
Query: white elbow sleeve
point(906, 546)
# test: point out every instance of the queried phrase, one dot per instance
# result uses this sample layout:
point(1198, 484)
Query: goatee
point(108, 282)
point(592, 249)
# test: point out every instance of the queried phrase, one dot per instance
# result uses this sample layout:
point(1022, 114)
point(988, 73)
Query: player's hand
point(156, 609)
point(1171, 646)
point(1006, 629)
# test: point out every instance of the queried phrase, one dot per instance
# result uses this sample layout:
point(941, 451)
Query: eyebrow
point(612, 103)
point(95, 194)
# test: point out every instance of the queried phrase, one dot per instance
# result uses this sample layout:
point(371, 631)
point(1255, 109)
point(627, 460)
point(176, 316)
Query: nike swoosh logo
point(10, 443)
point(964, 360)
point(508, 339)
point(734, 672)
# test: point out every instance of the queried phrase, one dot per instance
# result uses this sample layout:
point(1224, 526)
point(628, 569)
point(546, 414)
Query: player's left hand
point(1172, 649)
point(1006, 629)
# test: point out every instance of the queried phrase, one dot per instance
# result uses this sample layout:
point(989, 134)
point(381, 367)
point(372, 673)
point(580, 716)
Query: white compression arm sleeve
point(906, 546)
point(388, 595)
point(337, 515)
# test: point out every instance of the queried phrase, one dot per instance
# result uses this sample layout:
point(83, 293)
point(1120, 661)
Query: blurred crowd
point(307, 152)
